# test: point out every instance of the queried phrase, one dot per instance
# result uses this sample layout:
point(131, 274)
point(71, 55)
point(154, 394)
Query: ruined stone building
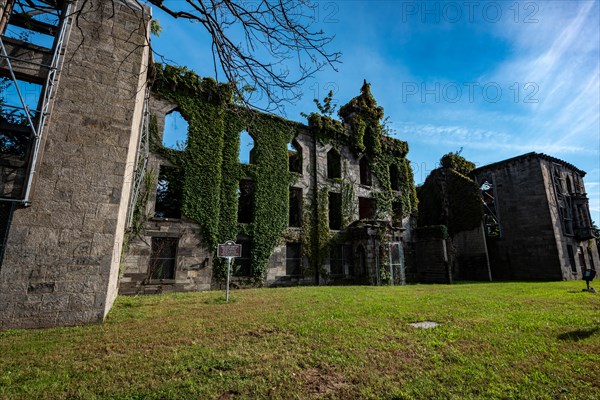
point(93, 202)
point(89, 194)
point(450, 241)
point(68, 152)
point(323, 203)
point(525, 218)
point(537, 220)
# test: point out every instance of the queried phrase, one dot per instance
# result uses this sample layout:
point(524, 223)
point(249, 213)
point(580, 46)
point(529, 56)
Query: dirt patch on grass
point(318, 382)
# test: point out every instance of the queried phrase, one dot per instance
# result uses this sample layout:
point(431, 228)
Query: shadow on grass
point(577, 335)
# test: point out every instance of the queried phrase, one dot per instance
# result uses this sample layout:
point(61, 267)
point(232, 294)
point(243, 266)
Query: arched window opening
point(394, 177)
point(246, 154)
point(334, 164)
point(295, 157)
point(176, 131)
point(365, 172)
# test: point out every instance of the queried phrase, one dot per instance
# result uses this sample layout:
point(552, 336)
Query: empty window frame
point(295, 215)
point(397, 212)
point(335, 210)
point(246, 153)
point(293, 259)
point(367, 208)
point(581, 254)
point(245, 201)
point(567, 217)
point(163, 258)
point(569, 185)
point(340, 260)
point(295, 157)
point(334, 164)
point(361, 261)
point(176, 131)
point(571, 258)
point(394, 177)
point(168, 193)
point(242, 266)
point(365, 172)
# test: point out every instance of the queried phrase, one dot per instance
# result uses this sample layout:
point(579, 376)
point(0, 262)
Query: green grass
point(495, 341)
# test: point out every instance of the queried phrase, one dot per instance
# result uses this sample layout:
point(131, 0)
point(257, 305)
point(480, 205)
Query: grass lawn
point(495, 341)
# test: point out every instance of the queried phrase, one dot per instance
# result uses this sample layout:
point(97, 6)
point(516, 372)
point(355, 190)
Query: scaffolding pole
point(47, 96)
point(142, 158)
point(42, 113)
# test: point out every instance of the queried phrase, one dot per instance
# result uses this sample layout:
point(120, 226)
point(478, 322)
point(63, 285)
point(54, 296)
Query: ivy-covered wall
point(362, 130)
point(449, 197)
point(210, 171)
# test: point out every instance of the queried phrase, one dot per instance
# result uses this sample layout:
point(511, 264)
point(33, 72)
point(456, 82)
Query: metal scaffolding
point(36, 119)
point(142, 159)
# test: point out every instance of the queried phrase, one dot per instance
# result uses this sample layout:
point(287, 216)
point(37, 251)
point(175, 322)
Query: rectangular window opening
point(335, 211)
point(293, 259)
point(367, 208)
point(168, 193)
point(242, 266)
point(245, 195)
point(591, 257)
point(571, 258)
point(581, 254)
point(163, 258)
point(340, 260)
point(295, 217)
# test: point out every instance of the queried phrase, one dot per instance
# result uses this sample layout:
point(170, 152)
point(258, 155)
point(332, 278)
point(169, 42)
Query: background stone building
point(68, 152)
point(537, 221)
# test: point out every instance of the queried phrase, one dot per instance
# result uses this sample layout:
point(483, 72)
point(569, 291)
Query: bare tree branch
point(254, 43)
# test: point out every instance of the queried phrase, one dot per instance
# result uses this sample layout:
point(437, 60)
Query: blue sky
point(497, 79)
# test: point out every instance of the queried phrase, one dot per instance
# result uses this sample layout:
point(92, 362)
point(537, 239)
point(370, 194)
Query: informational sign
point(229, 249)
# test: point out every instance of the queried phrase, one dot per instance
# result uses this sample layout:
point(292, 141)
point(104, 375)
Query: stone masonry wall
point(193, 266)
point(527, 248)
point(471, 255)
point(432, 261)
point(580, 249)
point(62, 256)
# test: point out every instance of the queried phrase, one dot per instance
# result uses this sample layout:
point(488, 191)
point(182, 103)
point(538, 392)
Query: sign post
point(229, 250)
